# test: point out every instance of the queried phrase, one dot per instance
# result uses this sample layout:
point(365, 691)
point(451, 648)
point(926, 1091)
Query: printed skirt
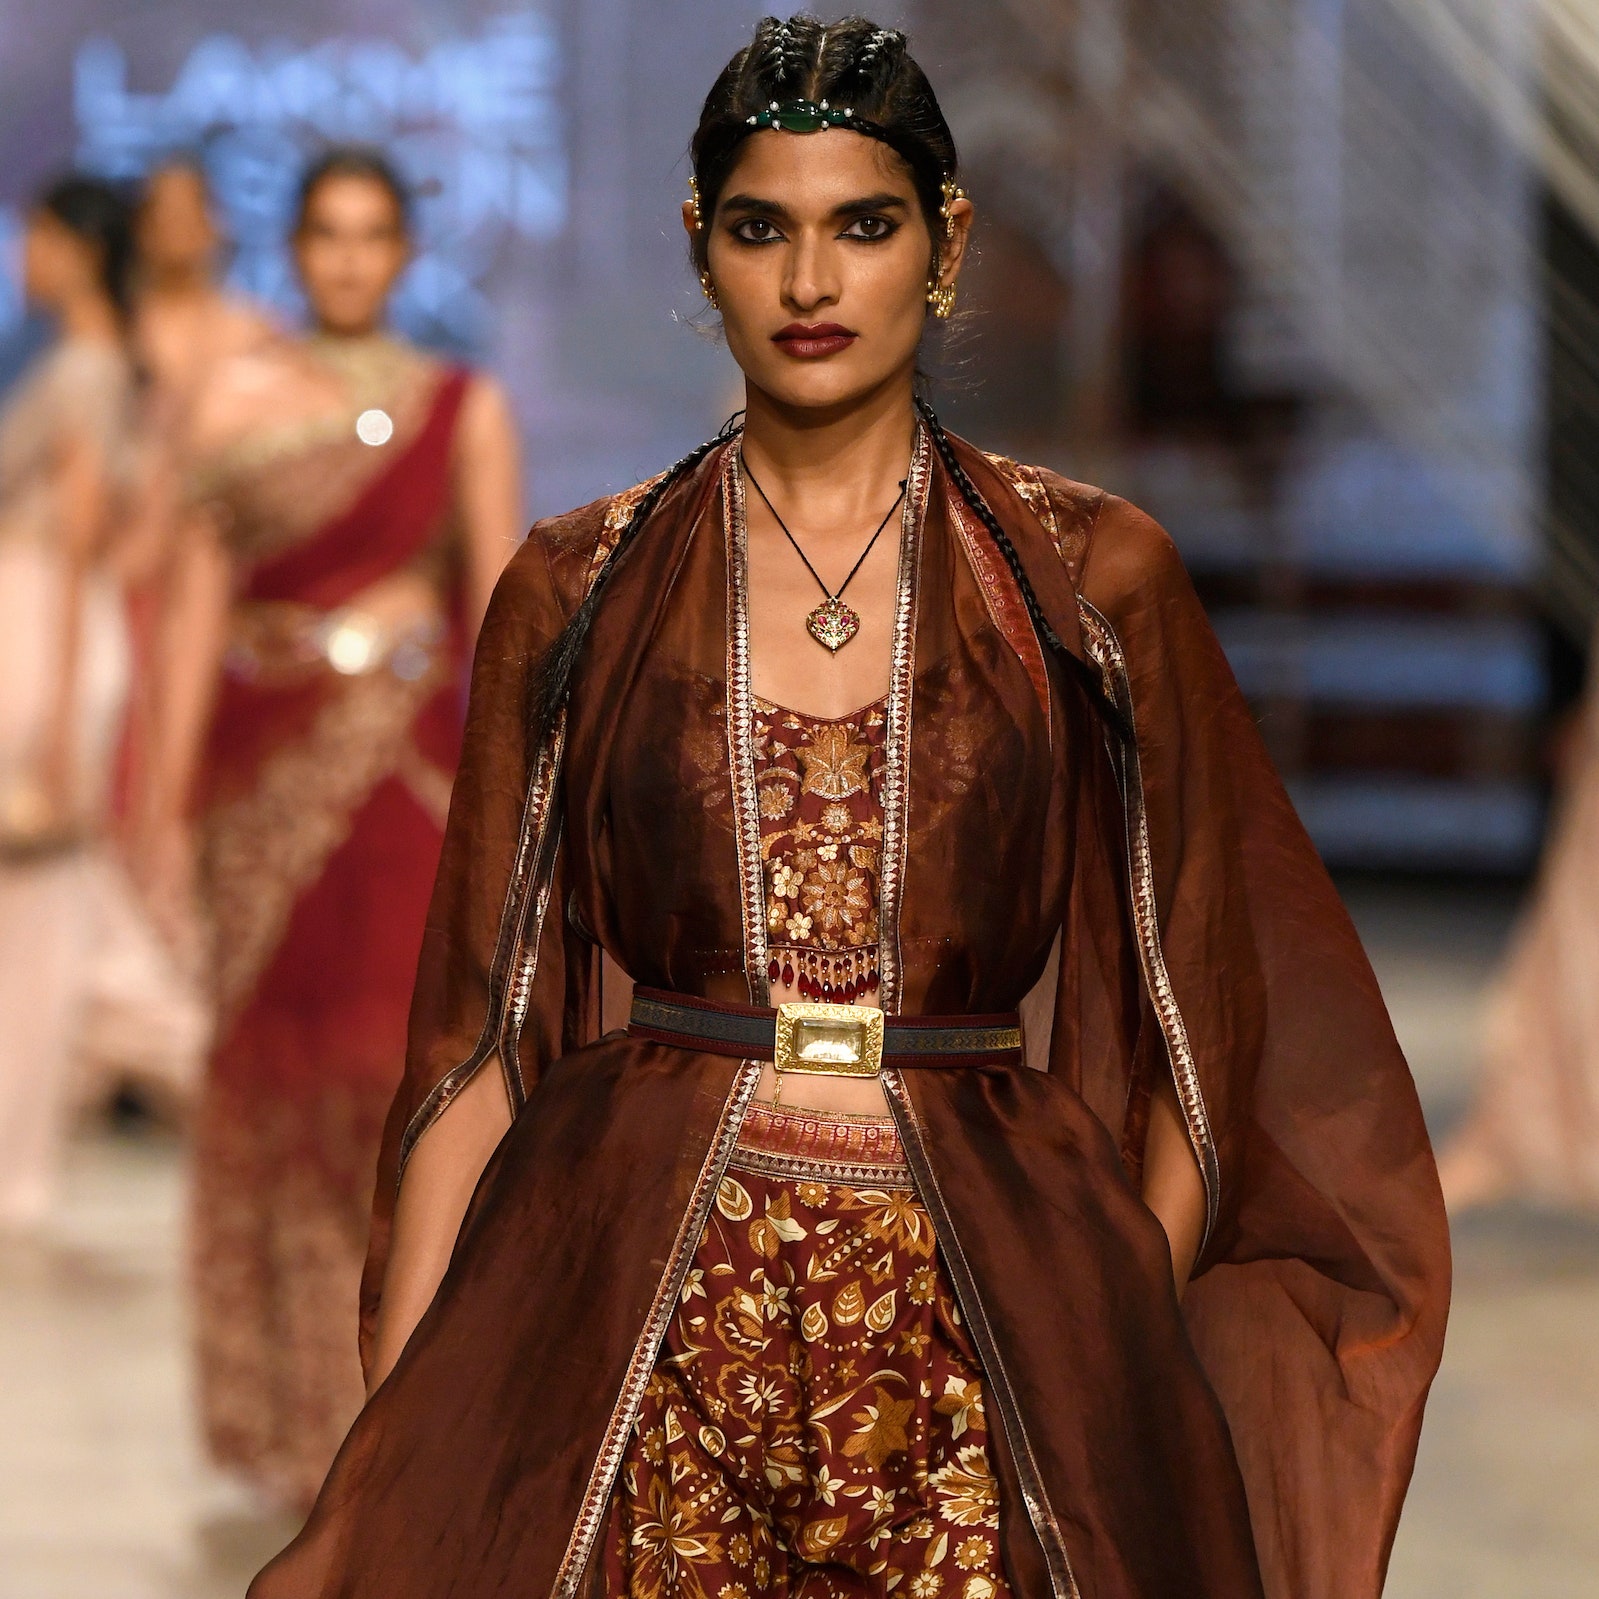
point(814, 1428)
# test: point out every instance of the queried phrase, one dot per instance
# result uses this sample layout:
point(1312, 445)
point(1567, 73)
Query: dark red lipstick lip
point(824, 338)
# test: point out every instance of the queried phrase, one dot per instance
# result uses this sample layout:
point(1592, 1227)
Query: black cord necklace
point(833, 623)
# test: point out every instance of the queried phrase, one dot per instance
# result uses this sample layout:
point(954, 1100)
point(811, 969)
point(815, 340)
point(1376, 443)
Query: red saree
point(323, 790)
point(1257, 1439)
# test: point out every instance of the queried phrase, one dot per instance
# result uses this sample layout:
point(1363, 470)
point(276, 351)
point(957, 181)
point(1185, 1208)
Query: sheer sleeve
point(503, 977)
point(1319, 1302)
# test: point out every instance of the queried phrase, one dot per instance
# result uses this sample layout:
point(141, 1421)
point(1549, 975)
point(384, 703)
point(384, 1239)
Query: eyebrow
point(753, 205)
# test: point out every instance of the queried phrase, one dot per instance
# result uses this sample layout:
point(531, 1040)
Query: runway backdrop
point(1264, 265)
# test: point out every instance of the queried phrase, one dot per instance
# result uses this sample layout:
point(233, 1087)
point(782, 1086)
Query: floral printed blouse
point(821, 804)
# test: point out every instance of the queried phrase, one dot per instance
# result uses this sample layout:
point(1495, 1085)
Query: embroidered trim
point(897, 741)
point(530, 854)
point(613, 1445)
point(1005, 608)
point(1046, 1528)
point(815, 1169)
point(741, 732)
point(1106, 650)
point(263, 849)
point(1030, 487)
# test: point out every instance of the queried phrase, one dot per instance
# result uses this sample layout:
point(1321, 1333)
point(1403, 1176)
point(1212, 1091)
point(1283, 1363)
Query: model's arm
point(488, 479)
point(440, 1176)
point(1173, 1187)
point(191, 638)
point(83, 500)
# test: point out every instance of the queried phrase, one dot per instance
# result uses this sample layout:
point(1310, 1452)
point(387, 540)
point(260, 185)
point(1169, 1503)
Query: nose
point(812, 279)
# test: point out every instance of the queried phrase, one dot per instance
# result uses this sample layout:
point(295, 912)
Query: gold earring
point(694, 202)
point(709, 290)
point(941, 296)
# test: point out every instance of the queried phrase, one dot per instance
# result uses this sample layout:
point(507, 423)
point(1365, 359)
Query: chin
point(820, 389)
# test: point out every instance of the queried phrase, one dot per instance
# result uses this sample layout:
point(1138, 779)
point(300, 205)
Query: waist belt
point(825, 1040)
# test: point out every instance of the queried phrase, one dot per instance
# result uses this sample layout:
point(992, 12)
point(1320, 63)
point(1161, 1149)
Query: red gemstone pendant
point(833, 624)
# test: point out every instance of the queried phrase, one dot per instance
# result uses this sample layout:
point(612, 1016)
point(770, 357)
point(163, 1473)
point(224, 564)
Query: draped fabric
point(1257, 1439)
point(321, 818)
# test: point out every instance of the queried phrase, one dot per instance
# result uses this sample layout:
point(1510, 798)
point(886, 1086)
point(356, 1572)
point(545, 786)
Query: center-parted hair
point(354, 161)
point(854, 64)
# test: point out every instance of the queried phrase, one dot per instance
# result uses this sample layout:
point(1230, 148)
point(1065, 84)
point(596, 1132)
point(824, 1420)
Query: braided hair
point(1042, 626)
point(851, 63)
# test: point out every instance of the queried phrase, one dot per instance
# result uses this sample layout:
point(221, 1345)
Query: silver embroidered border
point(897, 735)
point(532, 860)
point(613, 1445)
point(996, 1380)
point(1106, 650)
point(739, 702)
point(819, 1169)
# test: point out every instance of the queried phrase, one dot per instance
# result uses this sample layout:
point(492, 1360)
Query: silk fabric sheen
point(1257, 1439)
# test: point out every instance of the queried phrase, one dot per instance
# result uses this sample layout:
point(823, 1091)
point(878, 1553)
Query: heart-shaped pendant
point(833, 624)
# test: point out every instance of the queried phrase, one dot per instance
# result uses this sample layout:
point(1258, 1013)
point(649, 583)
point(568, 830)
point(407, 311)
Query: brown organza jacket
point(1256, 1439)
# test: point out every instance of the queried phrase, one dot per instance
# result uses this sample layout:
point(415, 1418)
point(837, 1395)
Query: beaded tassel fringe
point(832, 977)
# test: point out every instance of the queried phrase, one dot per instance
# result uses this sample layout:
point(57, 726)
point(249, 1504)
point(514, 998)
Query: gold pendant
point(833, 624)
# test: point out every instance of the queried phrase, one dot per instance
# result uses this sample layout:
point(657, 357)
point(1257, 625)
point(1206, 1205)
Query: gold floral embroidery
point(835, 766)
point(264, 848)
point(821, 845)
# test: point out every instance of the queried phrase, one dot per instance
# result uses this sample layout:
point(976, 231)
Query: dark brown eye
point(756, 230)
point(871, 228)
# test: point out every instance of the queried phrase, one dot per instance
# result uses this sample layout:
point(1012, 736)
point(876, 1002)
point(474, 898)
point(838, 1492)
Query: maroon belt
point(825, 1040)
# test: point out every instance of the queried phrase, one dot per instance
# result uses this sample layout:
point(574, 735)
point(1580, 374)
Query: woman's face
point(176, 233)
point(821, 261)
point(350, 248)
point(57, 265)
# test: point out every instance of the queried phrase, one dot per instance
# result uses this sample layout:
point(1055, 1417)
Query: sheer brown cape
point(1257, 1439)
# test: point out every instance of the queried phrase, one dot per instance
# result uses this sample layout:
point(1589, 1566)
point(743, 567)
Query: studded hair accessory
point(694, 204)
point(808, 116)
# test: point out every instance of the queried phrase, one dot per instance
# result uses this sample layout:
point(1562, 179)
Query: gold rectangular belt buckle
point(828, 1040)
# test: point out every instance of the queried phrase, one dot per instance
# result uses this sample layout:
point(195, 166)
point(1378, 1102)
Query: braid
point(871, 63)
point(980, 507)
point(552, 681)
point(786, 62)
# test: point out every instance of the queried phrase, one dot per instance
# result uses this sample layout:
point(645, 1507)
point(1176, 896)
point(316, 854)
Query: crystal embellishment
point(833, 624)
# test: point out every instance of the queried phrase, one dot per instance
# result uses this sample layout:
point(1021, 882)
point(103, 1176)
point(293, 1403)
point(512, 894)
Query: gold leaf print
point(850, 1305)
point(733, 1200)
point(813, 1324)
point(880, 1317)
point(820, 1536)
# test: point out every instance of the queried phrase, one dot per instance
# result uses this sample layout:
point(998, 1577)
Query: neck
point(347, 333)
point(89, 316)
point(171, 285)
point(849, 456)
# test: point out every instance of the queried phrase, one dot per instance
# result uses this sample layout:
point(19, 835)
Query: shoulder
point(1104, 540)
point(562, 554)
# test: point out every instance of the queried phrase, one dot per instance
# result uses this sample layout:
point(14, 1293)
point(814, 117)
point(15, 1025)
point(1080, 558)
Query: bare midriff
point(819, 782)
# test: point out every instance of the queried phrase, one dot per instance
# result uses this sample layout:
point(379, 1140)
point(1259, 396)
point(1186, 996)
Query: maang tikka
point(706, 286)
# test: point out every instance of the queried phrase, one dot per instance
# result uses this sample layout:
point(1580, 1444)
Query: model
point(68, 465)
point(1533, 1129)
point(841, 737)
point(352, 503)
